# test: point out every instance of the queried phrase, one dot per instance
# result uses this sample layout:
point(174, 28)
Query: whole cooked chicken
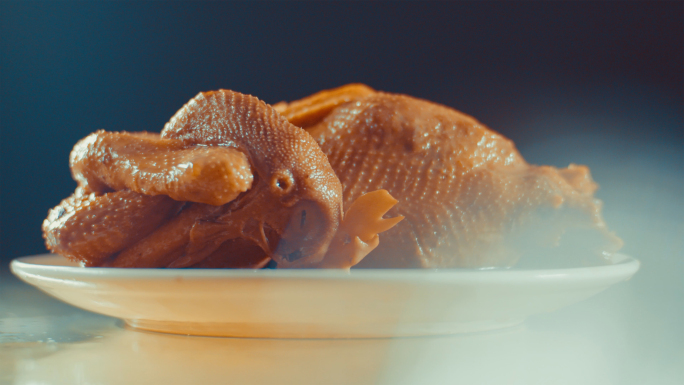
point(468, 196)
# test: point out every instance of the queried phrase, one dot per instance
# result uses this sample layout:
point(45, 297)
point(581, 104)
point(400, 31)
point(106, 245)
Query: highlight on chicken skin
point(228, 183)
point(468, 196)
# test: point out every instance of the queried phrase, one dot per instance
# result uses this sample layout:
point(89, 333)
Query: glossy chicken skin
point(151, 165)
point(250, 181)
point(292, 178)
point(228, 183)
point(90, 228)
point(469, 198)
point(130, 184)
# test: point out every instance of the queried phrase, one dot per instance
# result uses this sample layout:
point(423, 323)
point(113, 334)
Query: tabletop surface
point(599, 341)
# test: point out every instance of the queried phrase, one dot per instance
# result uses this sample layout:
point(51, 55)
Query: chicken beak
point(306, 236)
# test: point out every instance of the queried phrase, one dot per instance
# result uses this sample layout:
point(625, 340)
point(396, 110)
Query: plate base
point(299, 330)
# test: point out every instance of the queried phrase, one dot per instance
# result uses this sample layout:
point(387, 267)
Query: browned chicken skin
point(151, 165)
point(252, 186)
point(469, 198)
point(90, 228)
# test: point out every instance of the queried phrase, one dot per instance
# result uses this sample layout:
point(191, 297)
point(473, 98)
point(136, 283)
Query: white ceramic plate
point(318, 303)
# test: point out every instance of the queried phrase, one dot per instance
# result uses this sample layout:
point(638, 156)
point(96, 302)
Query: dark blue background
point(536, 72)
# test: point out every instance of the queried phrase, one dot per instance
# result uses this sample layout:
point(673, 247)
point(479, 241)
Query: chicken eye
point(282, 182)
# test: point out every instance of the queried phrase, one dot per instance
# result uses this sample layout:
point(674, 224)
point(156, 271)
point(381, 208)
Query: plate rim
point(624, 268)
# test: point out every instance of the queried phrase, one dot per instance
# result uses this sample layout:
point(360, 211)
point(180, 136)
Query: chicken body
point(469, 198)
